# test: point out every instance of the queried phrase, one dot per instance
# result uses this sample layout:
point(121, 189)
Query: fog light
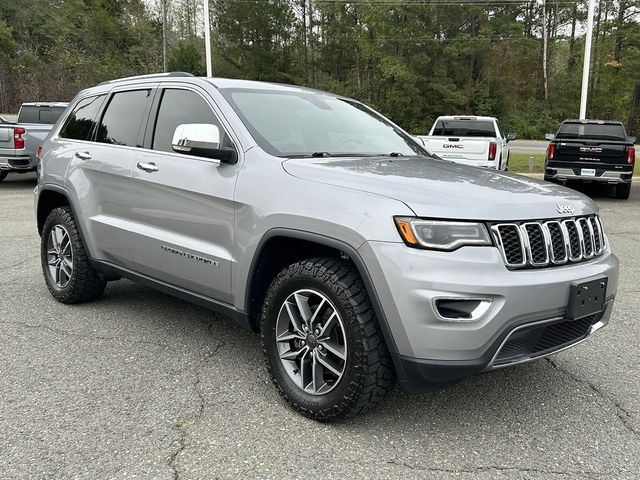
point(462, 309)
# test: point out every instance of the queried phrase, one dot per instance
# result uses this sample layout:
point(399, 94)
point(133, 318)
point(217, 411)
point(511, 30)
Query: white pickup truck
point(476, 141)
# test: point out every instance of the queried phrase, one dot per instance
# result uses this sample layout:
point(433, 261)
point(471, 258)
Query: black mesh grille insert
point(541, 339)
point(557, 241)
point(586, 234)
point(510, 236)
point(536, 243)
point(596, 234)
point(564, 332)
point(574, 239)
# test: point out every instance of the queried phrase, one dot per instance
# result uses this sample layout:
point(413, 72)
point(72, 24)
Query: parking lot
point(142, 385)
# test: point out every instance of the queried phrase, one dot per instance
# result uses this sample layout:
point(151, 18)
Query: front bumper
point(20, 163)
point(431, 350)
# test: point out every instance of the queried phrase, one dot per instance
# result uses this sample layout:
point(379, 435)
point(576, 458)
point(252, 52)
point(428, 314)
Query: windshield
point(298, 123)
point(464, 128)
point(592, 131)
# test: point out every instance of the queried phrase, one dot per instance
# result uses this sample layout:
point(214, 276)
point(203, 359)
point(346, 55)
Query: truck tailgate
point(591, 151)
point(6, 137)
point(452, 148)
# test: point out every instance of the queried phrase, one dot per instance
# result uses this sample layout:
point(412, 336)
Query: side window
point(82, 120)
point(499, 128)
point(121, 121)
point(178, 107)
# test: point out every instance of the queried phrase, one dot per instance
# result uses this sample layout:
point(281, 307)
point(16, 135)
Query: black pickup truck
point(591, 151)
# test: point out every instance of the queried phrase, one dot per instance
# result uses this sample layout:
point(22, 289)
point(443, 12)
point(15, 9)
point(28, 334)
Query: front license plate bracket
point(586, 298)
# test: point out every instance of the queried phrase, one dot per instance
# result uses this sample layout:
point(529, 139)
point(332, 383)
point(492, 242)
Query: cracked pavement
point(142, 385)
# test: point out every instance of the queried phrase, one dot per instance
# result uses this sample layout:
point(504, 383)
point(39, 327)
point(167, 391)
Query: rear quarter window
point(82, 121)
point(464, 128)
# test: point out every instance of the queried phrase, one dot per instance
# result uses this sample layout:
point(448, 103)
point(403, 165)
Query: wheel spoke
point(293, 354)
point(288, 336)
point(317, 373)
point(65, 269)
point(329, 324)
point(295, 320)
point(305, 370)
point(52, 251)
point(58, 273)
point(334, 348)
point(303, 306)
point(325, 361)
point(316, 313)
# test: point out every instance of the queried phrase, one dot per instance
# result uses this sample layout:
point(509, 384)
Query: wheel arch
point(298, 245)
point(50, 197)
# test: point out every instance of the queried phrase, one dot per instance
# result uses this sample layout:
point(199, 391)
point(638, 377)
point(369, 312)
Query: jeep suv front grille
point(549, 243)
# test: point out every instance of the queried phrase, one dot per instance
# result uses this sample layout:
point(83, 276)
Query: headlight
point(441, 234)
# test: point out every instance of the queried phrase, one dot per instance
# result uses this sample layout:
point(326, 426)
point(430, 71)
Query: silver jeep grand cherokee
point(314, 220)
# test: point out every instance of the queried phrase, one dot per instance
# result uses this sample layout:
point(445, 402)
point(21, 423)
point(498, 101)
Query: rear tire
point(67, 270)
point(3, 175)
point(623, 190)
point(324, 350)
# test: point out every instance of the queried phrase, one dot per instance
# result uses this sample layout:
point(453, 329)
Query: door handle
point(83, 155)
point(148, 167)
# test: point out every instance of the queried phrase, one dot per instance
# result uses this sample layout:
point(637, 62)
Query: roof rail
point(151, 75)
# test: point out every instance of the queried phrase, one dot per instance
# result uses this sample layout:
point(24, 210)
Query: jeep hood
point(442, 189)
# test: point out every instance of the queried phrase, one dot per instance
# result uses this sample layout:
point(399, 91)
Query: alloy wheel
point(311, 341)
point(60, 256)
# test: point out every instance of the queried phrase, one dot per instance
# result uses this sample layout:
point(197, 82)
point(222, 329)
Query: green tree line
point(411, 59)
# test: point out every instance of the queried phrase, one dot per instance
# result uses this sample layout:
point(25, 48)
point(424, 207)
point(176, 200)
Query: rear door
point(182, 209)
point(100, 169)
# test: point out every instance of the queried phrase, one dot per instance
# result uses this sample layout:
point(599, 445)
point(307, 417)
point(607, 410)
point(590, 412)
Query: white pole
point(587, 61)
point(207, 38)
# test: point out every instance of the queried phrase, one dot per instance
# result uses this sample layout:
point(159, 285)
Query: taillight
point(493, 148)
point(18, 141)
point(551, 150)
point(39, 153)
point(631, 155)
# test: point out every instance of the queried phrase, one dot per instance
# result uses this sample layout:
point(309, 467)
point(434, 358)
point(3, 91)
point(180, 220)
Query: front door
point(182, 208)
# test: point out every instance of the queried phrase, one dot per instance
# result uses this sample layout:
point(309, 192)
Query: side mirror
point(632, 139)
point(511, 137)
point(202, 140)
point(549, 136)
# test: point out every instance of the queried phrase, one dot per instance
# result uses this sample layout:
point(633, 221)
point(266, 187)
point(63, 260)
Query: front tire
point(3, 175)
point(324, 350)
point(67, 270)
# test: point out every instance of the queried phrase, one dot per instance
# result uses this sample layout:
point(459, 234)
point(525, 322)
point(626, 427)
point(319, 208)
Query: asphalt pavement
point(142, 385)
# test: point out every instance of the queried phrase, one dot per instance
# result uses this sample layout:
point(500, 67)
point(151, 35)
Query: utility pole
point(207, 38)
point(165, 60)
point(587, 61)
point(544, 49)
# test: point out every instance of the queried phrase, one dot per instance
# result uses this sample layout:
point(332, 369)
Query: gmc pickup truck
point(591, 151)
point(476, 141)
point(19, 141)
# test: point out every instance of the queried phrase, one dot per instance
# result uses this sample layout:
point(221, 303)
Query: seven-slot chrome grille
point(548, 243)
